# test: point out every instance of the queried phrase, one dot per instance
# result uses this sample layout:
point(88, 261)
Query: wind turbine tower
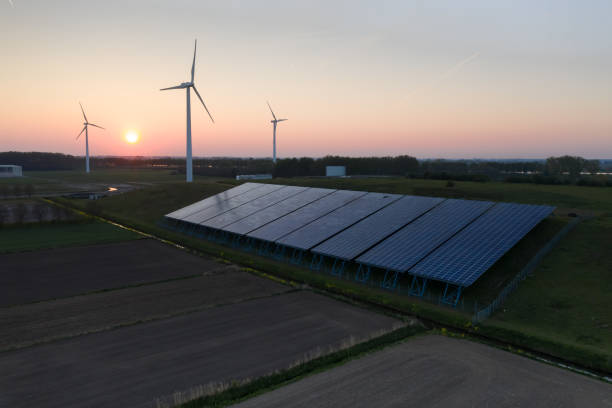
point(86, 124)
point(274, 122)
point(187, 86)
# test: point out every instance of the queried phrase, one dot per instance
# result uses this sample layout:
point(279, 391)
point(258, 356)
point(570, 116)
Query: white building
point(335, 171)
point(10, 170)
point(253, 176)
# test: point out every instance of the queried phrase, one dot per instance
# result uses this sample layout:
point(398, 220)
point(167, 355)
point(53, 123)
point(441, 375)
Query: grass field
point(58, 182)
point(574, 272)
point(568, 299)
point(598, 199)
point(32, 237)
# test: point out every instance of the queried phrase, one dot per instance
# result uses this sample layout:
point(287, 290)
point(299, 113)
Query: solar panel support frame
point(296, 256)
point(317, 262)
point(337, 268)
point(451, 294)
point(363, 273)
point(390, 279)
point(418, 286)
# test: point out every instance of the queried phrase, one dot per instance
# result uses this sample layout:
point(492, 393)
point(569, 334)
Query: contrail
point(449, 72)
point(458, 66)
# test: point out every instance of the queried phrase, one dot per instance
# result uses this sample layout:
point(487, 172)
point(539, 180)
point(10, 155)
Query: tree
point(592, 166)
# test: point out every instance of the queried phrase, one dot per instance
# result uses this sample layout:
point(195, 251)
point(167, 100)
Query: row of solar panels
point(449, 240)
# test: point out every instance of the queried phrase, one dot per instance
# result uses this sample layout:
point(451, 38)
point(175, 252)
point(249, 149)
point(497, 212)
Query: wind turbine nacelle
point(186, 84)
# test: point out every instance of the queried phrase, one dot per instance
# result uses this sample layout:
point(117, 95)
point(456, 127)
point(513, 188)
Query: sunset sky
point(450, 79)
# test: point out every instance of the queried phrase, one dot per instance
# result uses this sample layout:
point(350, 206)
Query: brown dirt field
point(436, 371)
point(41, 322)
point(133, 366)
point(62, 272)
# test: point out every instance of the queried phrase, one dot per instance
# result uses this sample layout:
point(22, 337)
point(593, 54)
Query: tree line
point(554, 170)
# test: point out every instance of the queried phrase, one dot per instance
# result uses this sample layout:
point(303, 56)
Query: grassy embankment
point(577, 272)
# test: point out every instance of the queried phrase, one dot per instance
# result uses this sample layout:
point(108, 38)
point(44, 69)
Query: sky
point(427, 78)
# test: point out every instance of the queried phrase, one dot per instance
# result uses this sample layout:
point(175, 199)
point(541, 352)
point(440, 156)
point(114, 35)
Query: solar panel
point(200, 205)
point(221, 206)
point(465, 257)
point(316, 209)
point(278, 210)
point(406, 247)
point(358, 238)
point(321, 229)
point(251, 207)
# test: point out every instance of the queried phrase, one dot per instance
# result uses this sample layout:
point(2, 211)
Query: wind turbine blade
point(77, 138)
point(91, 124)
point(280, 120)
point(174, 87)
point(201, 100)
point(194, 55)
point(83, 112)
point(271, 110)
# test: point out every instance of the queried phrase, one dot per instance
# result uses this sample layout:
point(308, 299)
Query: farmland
point(439, 371)
point(144, 208)
point(138, 320)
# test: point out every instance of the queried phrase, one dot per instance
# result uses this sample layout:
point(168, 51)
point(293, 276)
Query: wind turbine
point(86, 124)
point(274, 122)
point(188, 86)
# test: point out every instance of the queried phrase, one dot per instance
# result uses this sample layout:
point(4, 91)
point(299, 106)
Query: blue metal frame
point(451, 295)
point(296, 256)
point(279, 252)
point(389, 280)
point(264, 248)
point(363, 273)
point(316, 262)
point(418, 286)
point(337, 268)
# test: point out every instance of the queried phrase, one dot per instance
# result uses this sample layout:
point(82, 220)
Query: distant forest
point(554, 170)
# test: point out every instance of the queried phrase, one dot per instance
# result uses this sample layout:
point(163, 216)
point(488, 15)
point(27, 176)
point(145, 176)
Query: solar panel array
point(448, 240)
point(200, 205)
point(355, 240)
point(297, 219)
point(278, 210)
point(465, 257)
point(244, 210)
point(412, 243)
point(323, 228)
point(221, 206)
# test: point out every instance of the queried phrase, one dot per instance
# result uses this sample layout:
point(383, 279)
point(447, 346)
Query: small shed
point(10, 170)
point(335, 171)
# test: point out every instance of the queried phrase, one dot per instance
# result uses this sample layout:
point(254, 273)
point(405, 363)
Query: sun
point(131, 136)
